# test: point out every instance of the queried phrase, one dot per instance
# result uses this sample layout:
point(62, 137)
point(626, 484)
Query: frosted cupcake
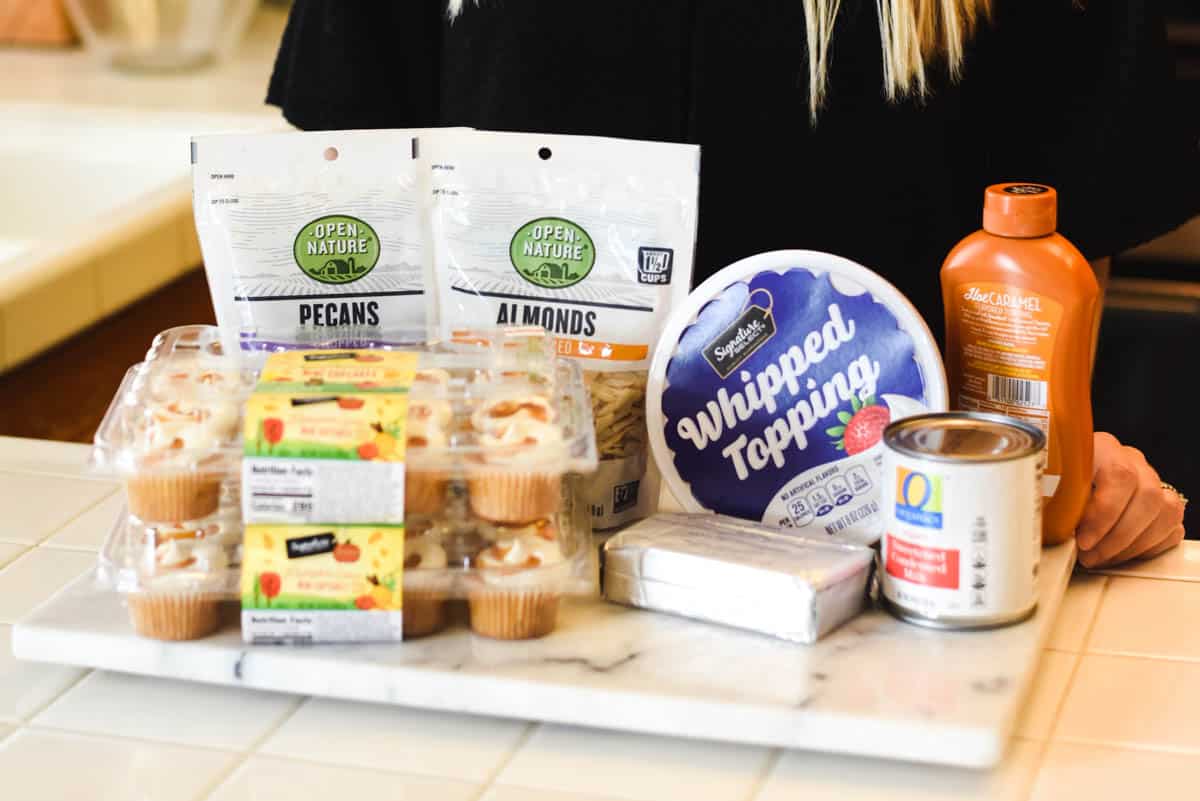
point(426, 440)
point(431, 378)
point(193, 380)
point(517, 475)
point(516, 591)
point(424, 602)
point(495, 415)
point(179, 468)
point(181, 593)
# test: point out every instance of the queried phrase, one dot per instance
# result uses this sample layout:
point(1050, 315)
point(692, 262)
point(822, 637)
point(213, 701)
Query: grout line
point(1174, 750)
point(1091, 625)
point(1062, 701)
point(1031, 783)
point(17, 556)
point(764, 775)
point(86, 672)
point(318, 762)
point(1184, 660)
point(80, 514)
point(34, 726)
point(252, 750)
point(490, 780)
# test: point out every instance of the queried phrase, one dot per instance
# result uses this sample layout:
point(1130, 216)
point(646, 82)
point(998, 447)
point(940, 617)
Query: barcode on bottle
point(1017, 391)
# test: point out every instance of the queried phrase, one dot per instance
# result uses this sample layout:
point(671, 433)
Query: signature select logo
point(1007, 300)
point(744, 336)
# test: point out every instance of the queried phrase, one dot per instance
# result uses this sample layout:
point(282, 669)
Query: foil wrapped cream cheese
point(737, 573)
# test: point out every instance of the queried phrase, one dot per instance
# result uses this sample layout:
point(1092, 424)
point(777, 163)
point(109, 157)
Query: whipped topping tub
point(771, 387)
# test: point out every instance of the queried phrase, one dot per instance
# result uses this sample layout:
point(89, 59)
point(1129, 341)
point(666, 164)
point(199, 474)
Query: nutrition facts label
point(1007, 340)
point(322, 491)
point(303, 626)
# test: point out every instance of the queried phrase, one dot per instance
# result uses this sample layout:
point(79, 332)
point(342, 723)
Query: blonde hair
point(912, 33)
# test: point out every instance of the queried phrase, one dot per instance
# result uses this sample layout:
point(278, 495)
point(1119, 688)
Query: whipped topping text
point(783, 381)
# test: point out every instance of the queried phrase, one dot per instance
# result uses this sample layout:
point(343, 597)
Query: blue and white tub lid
point(771, 386)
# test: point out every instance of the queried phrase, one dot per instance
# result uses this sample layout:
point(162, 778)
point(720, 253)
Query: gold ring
point(1183, 498)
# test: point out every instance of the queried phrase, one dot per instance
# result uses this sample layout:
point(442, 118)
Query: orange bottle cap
point(1020, 210)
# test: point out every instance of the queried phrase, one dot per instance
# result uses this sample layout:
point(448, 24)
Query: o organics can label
point(962, 501)
point(772, 386)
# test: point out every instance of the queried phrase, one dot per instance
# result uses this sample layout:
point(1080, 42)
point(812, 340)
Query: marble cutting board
point(875, 687)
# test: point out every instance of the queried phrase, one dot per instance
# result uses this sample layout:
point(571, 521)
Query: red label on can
point(932, 567)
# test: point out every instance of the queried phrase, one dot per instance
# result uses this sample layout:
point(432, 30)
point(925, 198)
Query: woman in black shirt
point(861, 142)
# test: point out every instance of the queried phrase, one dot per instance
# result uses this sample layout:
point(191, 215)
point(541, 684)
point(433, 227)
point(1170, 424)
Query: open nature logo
point(552, 252)
point(336, 249)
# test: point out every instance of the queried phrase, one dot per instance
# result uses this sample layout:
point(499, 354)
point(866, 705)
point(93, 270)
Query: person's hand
point(1130, 514)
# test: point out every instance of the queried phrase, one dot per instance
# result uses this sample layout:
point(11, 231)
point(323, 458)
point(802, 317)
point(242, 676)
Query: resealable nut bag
point(590, 238)
point(312, 238)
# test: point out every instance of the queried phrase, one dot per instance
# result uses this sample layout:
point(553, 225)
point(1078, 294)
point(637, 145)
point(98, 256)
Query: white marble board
point(875, 687)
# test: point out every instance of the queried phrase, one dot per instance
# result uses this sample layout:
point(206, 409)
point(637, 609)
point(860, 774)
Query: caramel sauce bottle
point(1021, 305)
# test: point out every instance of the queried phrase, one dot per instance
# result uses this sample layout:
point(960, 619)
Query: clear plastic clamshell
point(496, 431)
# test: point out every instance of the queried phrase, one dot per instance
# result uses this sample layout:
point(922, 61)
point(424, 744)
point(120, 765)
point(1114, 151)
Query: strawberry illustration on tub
point(773, 383)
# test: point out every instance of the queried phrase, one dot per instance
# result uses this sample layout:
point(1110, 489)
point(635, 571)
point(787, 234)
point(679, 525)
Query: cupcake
point(496, 415)
point(516, 476)
point(178, 473)
point(180, 596)
point(426, 440)
point(192, 381)
point(516, 594)
point(424, 603)
point(433, 378)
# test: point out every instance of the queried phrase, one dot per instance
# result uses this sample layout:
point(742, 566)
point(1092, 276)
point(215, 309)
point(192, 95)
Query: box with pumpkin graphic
point(313, 583)
point(324, 438)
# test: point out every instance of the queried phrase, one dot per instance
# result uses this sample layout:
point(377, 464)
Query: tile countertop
point(96, 210)
point(1112, 715)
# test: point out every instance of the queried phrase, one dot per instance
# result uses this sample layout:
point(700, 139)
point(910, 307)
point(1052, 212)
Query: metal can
point(963, 509)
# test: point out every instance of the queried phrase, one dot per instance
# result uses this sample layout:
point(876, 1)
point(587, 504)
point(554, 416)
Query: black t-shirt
point(1080, 98)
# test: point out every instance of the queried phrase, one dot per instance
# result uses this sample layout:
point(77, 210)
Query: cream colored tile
point(143, 260)
point(1097, 773)
point(49, 312)
point(26, 687)
point(508, 793)
point(137, 706)
point(87, 532)
point(1132, 702)
point(392, 738)
point(273, 779)
point(1076, 612)
point(1142, 617)
point(23, 455)
point(1049, 688)
point(189, 241)
point(1179, 564)
point(822, 777)
point(35, 576)
point(10, 551)
point(53, 766)
point(35, 506)
point(632, 766)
